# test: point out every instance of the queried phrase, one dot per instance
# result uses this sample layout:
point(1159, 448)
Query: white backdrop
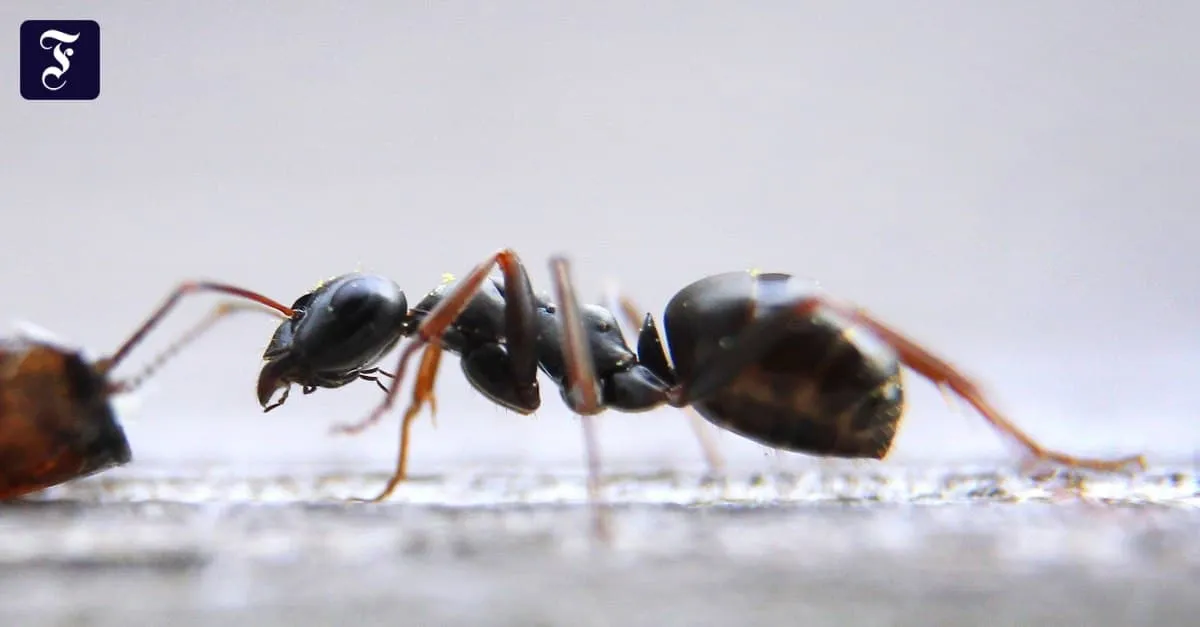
point(1011, 183)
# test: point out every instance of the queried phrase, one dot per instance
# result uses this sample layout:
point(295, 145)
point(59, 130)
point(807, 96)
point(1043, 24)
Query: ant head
point(343, 326)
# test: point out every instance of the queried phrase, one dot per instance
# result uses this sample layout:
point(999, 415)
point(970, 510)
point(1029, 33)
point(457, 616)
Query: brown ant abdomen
point(56, 422)
point(825, 386)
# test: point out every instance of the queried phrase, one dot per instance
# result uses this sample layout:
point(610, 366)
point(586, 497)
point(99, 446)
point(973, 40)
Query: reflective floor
point(909, 546)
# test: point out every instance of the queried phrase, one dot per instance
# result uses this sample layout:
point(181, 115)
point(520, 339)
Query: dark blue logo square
point(60, 60)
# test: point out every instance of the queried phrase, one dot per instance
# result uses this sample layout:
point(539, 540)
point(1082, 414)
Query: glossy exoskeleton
point(764, 355)
point(503, 336)
point(57, 421)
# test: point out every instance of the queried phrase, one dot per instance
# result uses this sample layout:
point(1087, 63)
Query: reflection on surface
point(915, 546)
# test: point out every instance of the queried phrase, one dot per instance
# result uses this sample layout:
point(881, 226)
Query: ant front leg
point(703, 431)
point(727, 362)
point(520, 320)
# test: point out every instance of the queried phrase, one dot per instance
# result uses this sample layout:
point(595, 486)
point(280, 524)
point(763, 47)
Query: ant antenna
point(222, 310)
point(104, 366)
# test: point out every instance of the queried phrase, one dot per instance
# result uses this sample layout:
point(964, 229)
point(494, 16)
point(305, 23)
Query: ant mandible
point(57, 423)
point(764, 355)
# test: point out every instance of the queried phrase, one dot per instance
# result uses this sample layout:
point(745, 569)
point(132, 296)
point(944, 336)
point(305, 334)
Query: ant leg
point(218, 313)
point(375, 380)
point(583, 389)
point(422, 391)
point(944, 375)
point(727, 362)
point(377, 371)
point(189, 287)
point(373, 374)
point(520, 320)
point(370, 374)
point(700, 427)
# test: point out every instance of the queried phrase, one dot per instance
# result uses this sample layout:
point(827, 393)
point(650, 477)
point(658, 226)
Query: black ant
point(57, 422)
point(763, 355)
point(344, 326)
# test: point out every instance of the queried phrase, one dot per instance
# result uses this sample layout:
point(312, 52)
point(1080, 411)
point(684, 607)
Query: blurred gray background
point(1011, 183)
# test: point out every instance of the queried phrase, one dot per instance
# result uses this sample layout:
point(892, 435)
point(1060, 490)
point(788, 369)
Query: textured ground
point(913, 547)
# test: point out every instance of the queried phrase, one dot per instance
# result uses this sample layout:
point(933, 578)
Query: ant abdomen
point(815, 383)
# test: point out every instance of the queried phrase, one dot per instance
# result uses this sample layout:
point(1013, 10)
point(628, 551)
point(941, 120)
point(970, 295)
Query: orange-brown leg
point(725, 363)
point(703, 431)
point(584, 391)
point(520, 328)
point(942, 374)
point(520, 337)
point(422, 393)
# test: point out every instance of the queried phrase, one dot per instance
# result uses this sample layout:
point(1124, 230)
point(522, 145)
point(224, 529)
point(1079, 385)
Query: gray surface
point(1011, 183)
point(908, 547)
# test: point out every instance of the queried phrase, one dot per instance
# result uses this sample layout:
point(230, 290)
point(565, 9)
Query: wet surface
point(907, 546)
